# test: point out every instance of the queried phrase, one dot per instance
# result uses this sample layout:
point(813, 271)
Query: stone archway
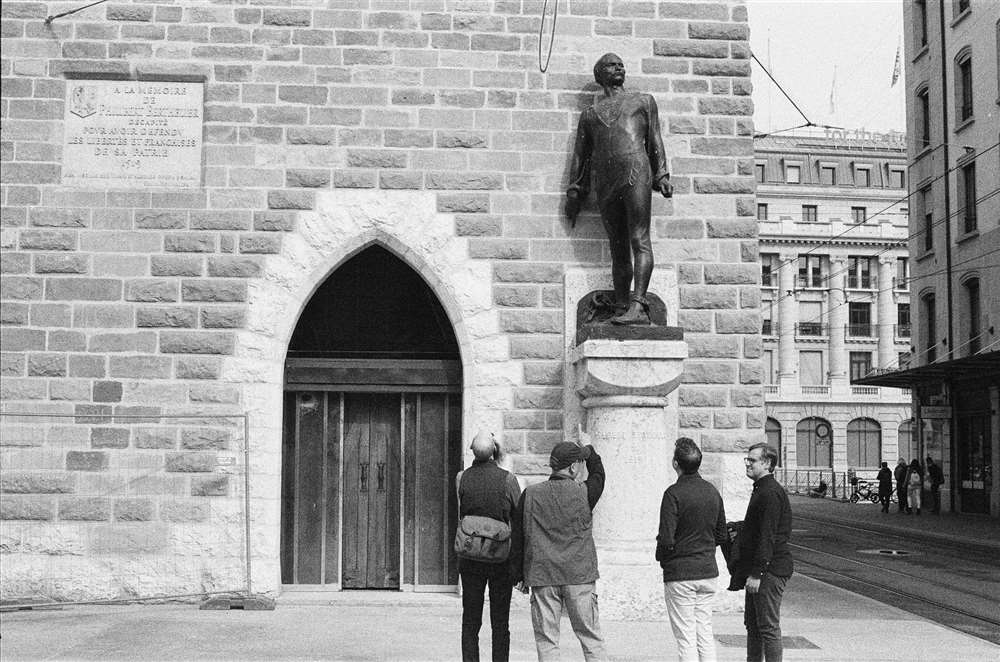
point(344, 223)
point(372, 434)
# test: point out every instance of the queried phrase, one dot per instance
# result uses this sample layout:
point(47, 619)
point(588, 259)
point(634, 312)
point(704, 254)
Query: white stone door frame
point(343, 223)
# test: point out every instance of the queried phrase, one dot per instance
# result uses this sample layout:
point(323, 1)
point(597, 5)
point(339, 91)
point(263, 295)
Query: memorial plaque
point(132, 134)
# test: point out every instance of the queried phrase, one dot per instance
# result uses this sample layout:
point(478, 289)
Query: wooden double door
point(366, 489)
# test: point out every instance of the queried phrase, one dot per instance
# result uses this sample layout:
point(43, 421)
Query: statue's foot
point(634, 316)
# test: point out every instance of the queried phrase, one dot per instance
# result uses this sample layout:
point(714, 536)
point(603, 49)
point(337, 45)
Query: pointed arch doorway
point(372, 430)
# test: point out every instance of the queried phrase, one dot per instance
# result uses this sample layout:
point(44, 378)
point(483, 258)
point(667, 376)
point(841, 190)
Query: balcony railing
point(772, 389)
point(816, 282)
point(816, 389)
point(864, 390)
point(860, 330)
point(810, 329)
point(862, 283)
point(903, 330)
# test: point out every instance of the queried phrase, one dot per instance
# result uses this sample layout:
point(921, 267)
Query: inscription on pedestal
point(132, 134)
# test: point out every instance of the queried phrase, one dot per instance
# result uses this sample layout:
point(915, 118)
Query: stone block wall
point(118, 301)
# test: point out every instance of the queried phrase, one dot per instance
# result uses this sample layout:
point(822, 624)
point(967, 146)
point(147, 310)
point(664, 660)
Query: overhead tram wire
point(915, 355)
point(826, 279)
point(809, 122)
point(49, 19)
point(911, 280)
point(828, 241)
point(895, 243)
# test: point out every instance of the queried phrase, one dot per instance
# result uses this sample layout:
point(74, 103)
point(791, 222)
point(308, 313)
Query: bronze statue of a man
point(619, 139)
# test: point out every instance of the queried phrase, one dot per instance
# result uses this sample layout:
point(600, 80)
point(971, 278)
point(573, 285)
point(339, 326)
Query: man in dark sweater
point(764, 558)
point(486, 490)
point(692, 523)
point(900, 475)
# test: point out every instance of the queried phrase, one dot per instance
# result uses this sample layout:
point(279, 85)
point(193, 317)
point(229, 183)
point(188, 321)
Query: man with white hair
point(486, 490)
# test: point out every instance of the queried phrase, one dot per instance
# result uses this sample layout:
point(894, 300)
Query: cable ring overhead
point(552, 35)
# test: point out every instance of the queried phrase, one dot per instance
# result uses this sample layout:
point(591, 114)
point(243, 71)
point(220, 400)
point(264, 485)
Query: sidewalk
point(820, 623)
point(952, 528)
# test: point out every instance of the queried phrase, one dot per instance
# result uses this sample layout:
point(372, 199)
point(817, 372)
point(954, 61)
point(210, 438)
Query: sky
point(801, 42)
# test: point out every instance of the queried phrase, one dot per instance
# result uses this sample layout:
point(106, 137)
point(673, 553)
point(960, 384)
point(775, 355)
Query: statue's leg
point(638, 202)
point(614, 218)
point(638, 215)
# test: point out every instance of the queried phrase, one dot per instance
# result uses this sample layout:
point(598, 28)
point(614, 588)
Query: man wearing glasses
point(764, 556)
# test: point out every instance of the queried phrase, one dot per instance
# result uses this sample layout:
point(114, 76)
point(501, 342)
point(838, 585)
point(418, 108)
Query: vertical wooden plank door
point(353, 512)
point(309, 488)
point(371, 490)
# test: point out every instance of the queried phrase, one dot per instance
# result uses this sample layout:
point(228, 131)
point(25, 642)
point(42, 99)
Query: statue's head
point(607, 68)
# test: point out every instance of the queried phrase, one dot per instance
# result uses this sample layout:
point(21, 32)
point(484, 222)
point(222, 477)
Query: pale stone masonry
point(423, 126)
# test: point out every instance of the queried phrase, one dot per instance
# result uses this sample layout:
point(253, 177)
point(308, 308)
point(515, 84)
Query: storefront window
point(814, 443)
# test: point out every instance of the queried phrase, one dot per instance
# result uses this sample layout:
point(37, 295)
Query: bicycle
point(864, 490)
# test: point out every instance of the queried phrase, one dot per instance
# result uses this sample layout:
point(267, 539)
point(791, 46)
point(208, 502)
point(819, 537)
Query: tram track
point(985, 553)
point(974, 614)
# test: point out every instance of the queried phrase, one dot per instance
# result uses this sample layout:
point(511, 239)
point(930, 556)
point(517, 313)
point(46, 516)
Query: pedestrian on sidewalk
point(764, 557)
point(692, 523)
point(936, 476)
point(560, 557)
point(900, 474)
point(486, 490)
point(884, 486)
point(914, 486)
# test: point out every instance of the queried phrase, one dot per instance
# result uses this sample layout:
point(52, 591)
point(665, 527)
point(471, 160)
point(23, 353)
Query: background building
point(835, 298)
point(267, 268)
point(953, 115)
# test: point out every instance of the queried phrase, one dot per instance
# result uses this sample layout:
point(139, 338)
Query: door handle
point(381, 476)
point(364, 476)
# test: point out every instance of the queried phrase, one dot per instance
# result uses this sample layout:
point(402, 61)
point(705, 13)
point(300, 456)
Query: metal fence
point(102, 506)
point(838, 483)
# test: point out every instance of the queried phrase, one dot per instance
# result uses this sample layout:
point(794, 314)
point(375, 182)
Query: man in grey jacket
point(559, 555)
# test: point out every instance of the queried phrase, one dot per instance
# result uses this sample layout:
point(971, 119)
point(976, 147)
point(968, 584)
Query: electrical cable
point(829, 240)
point(828, 277)
point(49, 19)
point(809, 122)
point(911, 280)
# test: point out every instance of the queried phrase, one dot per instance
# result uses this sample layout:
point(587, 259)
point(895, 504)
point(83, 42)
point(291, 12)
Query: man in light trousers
point(559, 554)
point(692, 523)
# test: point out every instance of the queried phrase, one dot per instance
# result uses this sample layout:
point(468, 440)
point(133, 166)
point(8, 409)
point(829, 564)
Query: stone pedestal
point(632, 421)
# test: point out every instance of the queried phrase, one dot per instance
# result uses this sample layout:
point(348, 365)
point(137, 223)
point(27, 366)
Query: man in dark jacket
point(486, 490)
point(560, 557)
point(692, 523)
point(937, 480)
point(884, 486)
point(765, 559)
point(900, 475)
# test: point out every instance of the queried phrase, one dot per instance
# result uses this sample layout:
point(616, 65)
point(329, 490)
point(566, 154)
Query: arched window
point(963, 85)
point(814, 443)
point(772, 431)
point(907, 442)
point(864, 443)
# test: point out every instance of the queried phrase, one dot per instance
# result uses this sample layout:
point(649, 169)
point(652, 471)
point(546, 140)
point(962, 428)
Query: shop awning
point(979, 367)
